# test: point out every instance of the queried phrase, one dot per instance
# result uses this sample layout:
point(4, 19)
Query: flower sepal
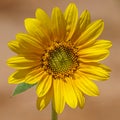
point(22, 87)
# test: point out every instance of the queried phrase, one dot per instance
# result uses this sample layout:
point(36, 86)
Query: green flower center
point(61, 59)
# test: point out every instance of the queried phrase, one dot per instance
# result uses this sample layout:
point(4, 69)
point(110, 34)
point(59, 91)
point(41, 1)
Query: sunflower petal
point(102, 44)
point(83, 22)
point(95, 71)
point(14, 46)
point(58, 101)
point(34, 27)
point(71, 18)
point(20, 62)
point(31, 41)
point(81, 98)
point(58, 24)
point(91, 33)
point(86, 86)
point(18, 76)
point(34, 76)
point(69, 94)
point(43, 18)
point(79, 94)
point(93, 54)
point(42, 102)
point(23, 48)
point(44, 85)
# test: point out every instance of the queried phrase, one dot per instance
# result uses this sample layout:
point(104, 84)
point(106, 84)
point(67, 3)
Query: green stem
point(54, 114)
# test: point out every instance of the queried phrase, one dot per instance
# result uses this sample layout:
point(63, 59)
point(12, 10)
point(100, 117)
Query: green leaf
point(22, 88)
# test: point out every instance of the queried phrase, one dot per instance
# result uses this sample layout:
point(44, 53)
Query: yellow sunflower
point(61, 54)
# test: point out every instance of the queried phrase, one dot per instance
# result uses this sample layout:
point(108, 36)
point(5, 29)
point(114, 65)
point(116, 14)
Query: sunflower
point(61, 54)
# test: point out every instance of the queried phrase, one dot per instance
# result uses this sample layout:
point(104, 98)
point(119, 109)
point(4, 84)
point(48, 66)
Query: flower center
point(61, 59)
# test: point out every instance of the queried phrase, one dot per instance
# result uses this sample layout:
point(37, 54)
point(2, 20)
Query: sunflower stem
point(54, 114)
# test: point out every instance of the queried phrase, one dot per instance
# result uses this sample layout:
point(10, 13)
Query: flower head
point(61, 54)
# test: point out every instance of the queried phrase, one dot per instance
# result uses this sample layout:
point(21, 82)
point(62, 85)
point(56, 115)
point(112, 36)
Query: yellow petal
point(83, 22)
point(102, 44)
point(95, 71)
point(43, 18)
point(79, 94)
point(34, 27)
point(20, 62)
point(30, 41)
point(58, 101)
point(58, 24)
point(44, 85)
point(23, 47)
point(14, 46)
point(93, 54)
point(81, 100)
point(86, 85)
point(91, 33)
point(18, 76)
point(34, 76)
point(69, 94)
point(96, 52)
point(42, 102)
point(80, 97)
point(71, 18)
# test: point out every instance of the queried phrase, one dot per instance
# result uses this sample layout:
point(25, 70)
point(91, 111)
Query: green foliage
point(22, 88)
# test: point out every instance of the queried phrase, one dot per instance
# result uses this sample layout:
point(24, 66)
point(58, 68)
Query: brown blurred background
point(23, 107)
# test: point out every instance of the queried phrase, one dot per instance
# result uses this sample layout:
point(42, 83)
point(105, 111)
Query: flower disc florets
point(60, 60)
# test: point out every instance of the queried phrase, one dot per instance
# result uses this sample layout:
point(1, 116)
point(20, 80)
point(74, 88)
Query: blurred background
point(23, 106)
